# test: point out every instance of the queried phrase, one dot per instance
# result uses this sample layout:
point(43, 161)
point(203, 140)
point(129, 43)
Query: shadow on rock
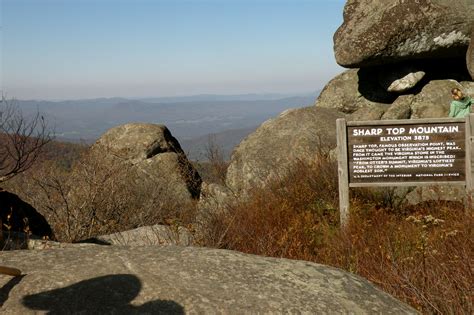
point(20, 216)
point(5, 290)
point(107, 294)
point(370, 88)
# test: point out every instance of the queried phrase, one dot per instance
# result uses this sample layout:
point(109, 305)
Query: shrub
point(422, 255)
point(100, 196)
point(214, 167)
point(22, 139)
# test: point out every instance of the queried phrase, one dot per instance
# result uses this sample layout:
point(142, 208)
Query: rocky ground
point(176, 280)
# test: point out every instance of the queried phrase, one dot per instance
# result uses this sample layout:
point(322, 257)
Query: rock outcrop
point(356, 93)
point(134, 175)
point(155, 152)
point(147, 235)
point(178, 280)
point(354, 90)
point(402, 79)
point(214, 199)
point(390, 31)
point(142, 236)
point(470, 56)
point(408, 55)
point(295, 134)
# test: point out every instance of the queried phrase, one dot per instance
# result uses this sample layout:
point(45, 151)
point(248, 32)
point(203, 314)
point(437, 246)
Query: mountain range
point(191, 119)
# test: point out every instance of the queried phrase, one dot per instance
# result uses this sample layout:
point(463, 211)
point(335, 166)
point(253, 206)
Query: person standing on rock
point(461, 104)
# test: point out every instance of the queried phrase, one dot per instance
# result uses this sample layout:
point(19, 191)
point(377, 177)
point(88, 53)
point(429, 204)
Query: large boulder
point(354, 89)
point(177, 280)
point(341, 93)
point(402, 79)
point(296, 134)
point(470, 56)
point(468, 87)
point(354, 92)
point(421, 194)
point(400, 109)
point(155, 152)
point(390, 31)
point(134, 175)
point(434, 100)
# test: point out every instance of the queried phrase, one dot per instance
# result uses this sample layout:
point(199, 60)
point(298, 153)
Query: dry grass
point(424, 258)
point(214, 167)
point(423, 255)
point(99, 196)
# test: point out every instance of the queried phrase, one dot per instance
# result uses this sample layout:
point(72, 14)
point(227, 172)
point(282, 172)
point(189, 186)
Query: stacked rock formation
point(407, 55)
point(404, 58)
point(391, 31)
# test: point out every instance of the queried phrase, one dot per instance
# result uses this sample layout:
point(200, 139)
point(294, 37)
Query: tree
point(21, 139)
point(217, 162)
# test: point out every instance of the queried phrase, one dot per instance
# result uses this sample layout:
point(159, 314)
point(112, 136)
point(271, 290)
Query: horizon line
point(267, 94)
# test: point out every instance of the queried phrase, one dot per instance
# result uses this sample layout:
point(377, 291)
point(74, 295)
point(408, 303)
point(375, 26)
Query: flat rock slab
point(148, 235)
point(153, 279)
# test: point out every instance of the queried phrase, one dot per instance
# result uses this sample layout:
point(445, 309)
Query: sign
point(405, 152)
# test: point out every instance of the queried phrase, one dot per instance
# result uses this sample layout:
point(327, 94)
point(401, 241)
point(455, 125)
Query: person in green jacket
point(461, 105)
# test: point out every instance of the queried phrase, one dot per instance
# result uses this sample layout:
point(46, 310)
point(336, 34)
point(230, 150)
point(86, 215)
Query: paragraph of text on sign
point(406, 153)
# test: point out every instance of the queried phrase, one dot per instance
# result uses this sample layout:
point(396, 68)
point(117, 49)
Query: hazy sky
point(64, 49)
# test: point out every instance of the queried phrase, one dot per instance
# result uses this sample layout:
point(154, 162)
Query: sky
point(73, 49)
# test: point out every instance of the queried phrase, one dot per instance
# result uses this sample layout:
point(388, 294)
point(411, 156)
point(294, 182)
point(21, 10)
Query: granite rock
point(389, 31)
point(269, 152)
point(179, 280)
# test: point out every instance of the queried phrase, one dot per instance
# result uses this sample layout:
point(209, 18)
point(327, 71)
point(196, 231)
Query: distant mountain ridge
point(187, 117)
point(197, 148)
point(219, 97)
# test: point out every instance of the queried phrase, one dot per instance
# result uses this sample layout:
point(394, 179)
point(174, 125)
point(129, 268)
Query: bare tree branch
point(21, 139)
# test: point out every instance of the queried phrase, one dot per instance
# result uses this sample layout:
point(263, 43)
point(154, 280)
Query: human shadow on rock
point(7, 287)
point(101, 295)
